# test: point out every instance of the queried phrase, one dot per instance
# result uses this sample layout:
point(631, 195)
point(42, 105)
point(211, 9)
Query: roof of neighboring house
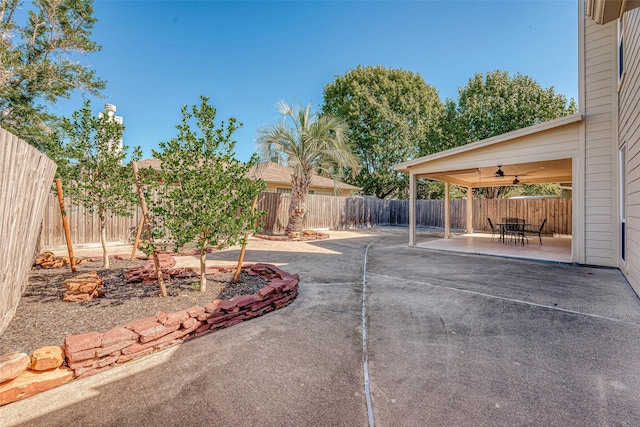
point(273, 173)
point(280, 174)
point(150, 162)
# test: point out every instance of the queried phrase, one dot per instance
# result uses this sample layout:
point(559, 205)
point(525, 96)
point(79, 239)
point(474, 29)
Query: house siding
point(629, 133)
point(273, 188)
point(599, 121)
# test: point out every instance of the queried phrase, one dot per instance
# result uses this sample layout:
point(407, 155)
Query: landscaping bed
point(43, 318)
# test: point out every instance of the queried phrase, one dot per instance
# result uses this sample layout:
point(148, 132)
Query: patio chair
point(494, 230)
point(538, 231)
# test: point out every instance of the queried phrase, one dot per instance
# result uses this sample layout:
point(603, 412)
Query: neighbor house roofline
point(273, 173)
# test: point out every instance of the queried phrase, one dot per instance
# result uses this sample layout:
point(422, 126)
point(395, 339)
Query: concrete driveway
point(453, 339)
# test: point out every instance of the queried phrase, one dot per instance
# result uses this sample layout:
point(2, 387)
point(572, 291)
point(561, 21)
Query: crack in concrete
point(367, 389)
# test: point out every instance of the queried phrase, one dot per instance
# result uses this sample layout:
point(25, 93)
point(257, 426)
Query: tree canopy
point(313, 144)
point(495, 103)
point(392, 116)
point(205, 195)
point(39, 53)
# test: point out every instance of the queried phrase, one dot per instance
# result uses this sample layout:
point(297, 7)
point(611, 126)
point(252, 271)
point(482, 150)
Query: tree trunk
point(297, 207)
point(103, 240)
point(203, 272)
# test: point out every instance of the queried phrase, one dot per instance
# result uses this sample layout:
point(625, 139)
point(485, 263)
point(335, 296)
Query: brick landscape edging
point(93, 352)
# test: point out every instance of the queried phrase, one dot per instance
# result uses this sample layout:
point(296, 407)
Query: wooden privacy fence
point(25, 178)
point(85, 226)
point(330, 212)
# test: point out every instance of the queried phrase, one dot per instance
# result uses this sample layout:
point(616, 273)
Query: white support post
point(447, 212)
point(469, 210)
point(412, 209)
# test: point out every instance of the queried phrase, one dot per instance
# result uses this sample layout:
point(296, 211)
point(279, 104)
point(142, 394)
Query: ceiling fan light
point(516, 181)
point(499, 172)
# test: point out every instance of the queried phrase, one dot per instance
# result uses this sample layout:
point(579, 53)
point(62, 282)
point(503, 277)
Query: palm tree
point(315, 144)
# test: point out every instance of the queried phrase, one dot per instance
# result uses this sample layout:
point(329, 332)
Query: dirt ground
point(43, 318)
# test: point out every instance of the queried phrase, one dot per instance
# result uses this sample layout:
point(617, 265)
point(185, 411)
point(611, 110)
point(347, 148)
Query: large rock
point(83, 287)
point(12, 365)
point(87, 281)
point(48, 260)
point(29, 383)
point(46, 358)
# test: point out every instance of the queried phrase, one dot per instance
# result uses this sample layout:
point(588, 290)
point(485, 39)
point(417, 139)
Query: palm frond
point(313, 142)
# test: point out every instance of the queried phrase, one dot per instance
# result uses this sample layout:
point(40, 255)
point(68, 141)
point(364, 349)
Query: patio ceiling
point(527, 173)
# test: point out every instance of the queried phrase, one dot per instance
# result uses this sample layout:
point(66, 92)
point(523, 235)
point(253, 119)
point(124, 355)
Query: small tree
point(94, 173)
point(205, 195)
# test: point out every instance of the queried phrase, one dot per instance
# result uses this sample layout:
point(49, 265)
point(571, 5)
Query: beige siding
point(629, 133)
point(273, 188)
point(600, 166)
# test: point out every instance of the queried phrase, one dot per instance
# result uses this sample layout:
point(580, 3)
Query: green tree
point(205, 195)
point(38, 63)
point(549, 189)
point(94, 173)
point(495, 103)
point(392, 117)
point(315, 144)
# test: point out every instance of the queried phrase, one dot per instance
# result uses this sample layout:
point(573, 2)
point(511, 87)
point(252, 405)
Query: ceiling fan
point(500, 174)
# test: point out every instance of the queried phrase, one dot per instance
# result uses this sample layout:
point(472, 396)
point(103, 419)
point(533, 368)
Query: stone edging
point(93, 352)
point(303, 238)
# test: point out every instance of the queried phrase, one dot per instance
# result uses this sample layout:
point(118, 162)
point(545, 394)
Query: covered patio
point(553, 249)
point(547, 152)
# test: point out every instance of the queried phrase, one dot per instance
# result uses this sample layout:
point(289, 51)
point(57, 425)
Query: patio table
point(503, 228)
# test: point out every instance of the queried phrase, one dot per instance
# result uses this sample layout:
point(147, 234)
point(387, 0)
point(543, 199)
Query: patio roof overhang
point(604, 11)
point(537, 154)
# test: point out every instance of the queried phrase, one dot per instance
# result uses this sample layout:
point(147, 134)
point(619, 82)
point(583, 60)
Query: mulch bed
point(42, 318)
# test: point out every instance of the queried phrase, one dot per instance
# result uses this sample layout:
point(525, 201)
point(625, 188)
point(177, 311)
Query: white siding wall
point(600, 146)
point(629, 132)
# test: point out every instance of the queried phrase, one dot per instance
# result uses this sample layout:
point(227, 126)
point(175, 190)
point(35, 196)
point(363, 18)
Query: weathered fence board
point(25, 178)
point(332, 212)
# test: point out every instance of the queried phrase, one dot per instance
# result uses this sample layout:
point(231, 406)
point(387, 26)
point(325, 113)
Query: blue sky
point(160, 55)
